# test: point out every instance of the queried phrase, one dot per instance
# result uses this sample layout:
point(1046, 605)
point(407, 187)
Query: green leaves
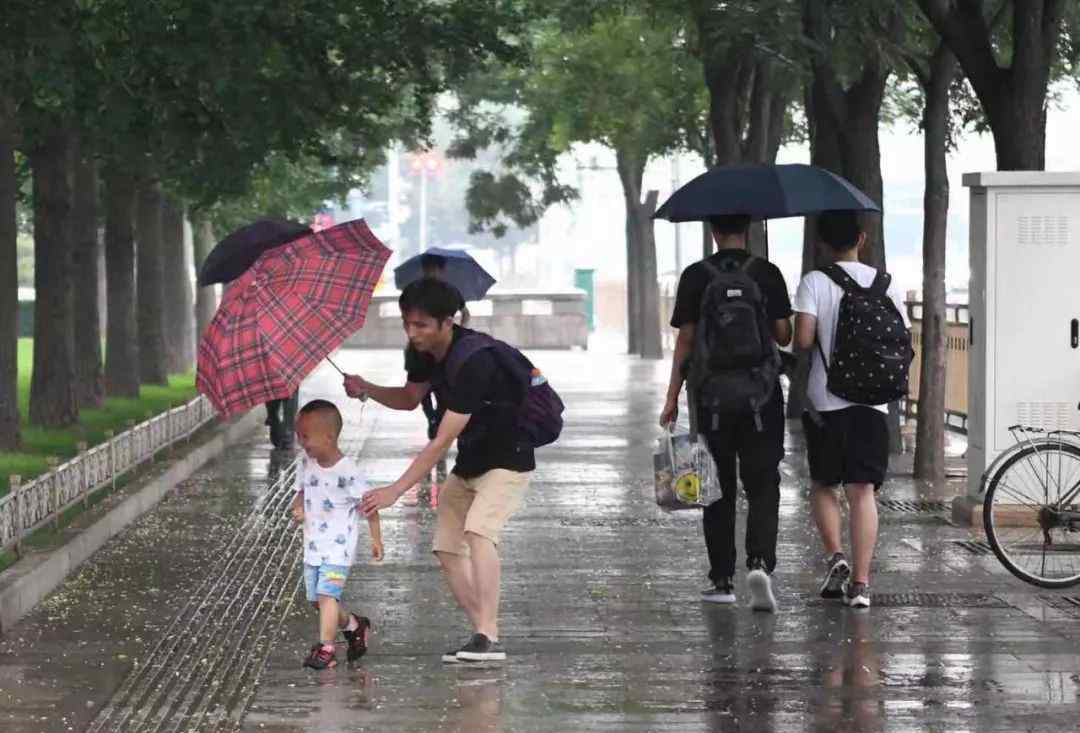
point(612, 75)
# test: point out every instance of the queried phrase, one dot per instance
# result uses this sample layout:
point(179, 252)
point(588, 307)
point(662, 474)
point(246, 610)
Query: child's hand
point(377, 550)
point(298, 513)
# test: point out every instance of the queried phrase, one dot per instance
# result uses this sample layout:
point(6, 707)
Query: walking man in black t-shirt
point(757, 441)
point(489, 480)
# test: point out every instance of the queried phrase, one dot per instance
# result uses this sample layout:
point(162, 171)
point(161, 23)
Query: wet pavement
point(187, 620)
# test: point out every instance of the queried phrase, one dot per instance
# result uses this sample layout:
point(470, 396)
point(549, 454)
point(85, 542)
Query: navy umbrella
point(764, 192)
point(233, 255)
point(461, 271)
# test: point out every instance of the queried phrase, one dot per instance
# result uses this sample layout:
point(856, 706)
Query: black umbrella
point(764, 192)
point(237, 252)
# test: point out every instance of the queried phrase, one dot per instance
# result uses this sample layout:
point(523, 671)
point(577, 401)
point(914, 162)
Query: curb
point(23, 588)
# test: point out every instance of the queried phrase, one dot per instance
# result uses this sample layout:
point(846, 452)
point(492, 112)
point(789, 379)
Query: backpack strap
point(467, 345)
point(840, 276)
point(881, 283)
point(474, 342)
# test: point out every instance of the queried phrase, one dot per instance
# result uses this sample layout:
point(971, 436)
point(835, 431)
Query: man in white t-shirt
point(847, 443)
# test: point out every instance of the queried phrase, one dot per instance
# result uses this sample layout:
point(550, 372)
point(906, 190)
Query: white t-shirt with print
point(331, 510)
point(819, 296)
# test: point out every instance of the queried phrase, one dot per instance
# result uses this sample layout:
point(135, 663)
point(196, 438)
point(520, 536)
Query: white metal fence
point(34, 504)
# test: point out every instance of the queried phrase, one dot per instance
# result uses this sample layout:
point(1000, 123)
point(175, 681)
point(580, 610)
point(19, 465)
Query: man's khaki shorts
point(478, 505)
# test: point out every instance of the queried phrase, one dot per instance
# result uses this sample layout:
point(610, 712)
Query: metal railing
point(30, 506)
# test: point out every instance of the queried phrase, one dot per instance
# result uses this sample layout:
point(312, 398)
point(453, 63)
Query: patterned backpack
point(872, 351)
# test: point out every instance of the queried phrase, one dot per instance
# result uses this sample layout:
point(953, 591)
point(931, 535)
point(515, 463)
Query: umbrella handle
point(362, 399)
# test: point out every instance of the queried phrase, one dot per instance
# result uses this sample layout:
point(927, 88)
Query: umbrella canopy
point(764, 192)
point(238, 251)
point(462, 271)
point(291, 309)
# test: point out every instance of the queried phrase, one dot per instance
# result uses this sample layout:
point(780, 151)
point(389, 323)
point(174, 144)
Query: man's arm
point(684, 344)
point(396, 398)
point(452, 425)
point(805, 331)
point(781, 331)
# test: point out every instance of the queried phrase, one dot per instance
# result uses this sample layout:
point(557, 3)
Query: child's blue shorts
point(324, 580)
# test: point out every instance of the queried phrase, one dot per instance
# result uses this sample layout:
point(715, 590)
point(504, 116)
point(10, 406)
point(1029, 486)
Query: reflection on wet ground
point(600, 619)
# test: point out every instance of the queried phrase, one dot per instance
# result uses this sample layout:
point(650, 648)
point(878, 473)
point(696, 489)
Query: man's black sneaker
point(357, 640)
point(451, 657)
point(320, 657)
point(839, 572)
point(481, 649)
point(722, 592)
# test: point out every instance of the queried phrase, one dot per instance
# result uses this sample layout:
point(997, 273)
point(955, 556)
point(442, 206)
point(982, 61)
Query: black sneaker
point(722, 592)
point(320, 657)
point(839, 572)
point(357, 640)
point(856, 595)
point(451, 657)
point(481, 649)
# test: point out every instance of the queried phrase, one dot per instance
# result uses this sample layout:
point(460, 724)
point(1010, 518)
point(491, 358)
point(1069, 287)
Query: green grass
point(41, 443)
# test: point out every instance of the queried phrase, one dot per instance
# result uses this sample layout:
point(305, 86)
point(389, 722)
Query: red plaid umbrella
point(278, 320)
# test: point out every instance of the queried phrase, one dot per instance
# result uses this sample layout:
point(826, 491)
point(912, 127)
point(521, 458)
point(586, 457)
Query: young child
point(328, 488)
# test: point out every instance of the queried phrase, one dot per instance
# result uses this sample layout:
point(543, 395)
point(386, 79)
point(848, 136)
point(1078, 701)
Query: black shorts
point(850, 447)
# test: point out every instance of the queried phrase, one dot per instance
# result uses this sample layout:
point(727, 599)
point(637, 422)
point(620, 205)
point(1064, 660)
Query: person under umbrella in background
point(732, 310)
point(230, 259)
point(727, 356)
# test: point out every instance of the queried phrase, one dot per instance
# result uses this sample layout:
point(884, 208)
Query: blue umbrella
point(764, 192)
point(462, 271)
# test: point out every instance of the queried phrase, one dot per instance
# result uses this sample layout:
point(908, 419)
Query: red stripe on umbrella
point(277, 321)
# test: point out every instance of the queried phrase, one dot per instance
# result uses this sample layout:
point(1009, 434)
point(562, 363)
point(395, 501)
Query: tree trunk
point(631, 172)
point(122, 336)
point(652, 346)
point(179, 313)
point(633, 268)
point(53, 401)
point(205, 297)
point(89, 373)
point(1014, 98)
point(153, 365)
point(10, 437)
point(930, 435)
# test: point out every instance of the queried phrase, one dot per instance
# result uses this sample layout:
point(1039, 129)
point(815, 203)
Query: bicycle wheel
point(1022, 500)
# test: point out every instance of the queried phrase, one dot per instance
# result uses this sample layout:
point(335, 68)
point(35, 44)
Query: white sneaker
point(761, 592)
point(723, 593)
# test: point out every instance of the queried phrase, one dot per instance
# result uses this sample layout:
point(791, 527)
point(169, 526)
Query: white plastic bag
point(684, 472)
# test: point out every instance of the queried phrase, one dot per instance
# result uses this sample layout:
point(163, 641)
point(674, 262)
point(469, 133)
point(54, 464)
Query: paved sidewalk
point(600, 611)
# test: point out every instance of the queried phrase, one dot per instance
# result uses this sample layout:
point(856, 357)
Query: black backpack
point(872, 351)
point(735, 363)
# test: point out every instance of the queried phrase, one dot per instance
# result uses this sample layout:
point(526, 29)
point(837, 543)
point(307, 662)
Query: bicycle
point(1031, 511)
